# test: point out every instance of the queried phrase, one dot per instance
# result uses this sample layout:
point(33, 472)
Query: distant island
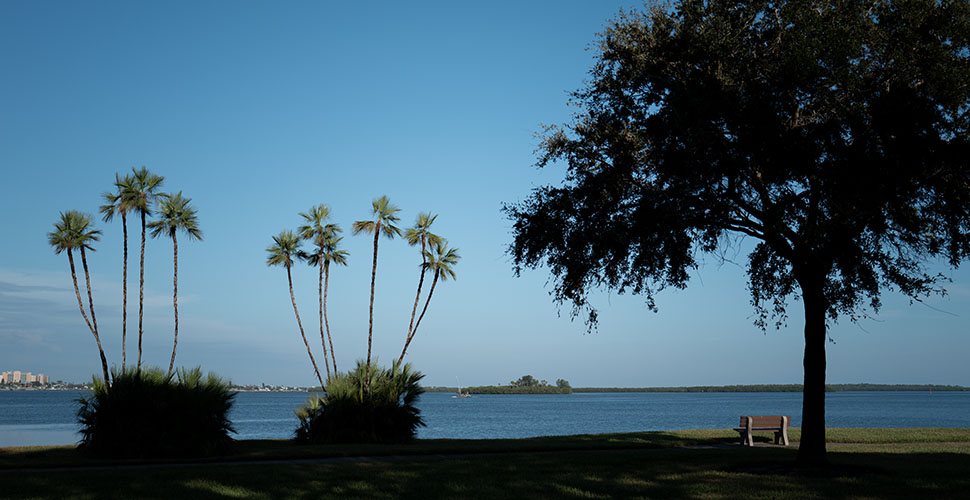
point(550, 389)
point(526, 384)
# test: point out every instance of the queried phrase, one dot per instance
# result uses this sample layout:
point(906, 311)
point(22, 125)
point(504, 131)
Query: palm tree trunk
point(326, 283)
point(423, 310)
point(124, 293)
point(370, 324)
point(323, 338)
point(141, 288)
point(94, 319)
point(417, 298)
point(299, 323)
point(80, 303)
point(175, 299)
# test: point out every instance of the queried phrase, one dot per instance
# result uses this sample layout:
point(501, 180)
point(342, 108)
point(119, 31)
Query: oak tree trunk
point(811, 449)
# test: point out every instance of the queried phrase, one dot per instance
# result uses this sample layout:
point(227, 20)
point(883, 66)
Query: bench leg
point(750, 438)
point(781, 437)
point(744, 438)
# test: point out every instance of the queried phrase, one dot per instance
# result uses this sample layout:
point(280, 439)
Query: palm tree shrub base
point(149, 413)
point(346, 414)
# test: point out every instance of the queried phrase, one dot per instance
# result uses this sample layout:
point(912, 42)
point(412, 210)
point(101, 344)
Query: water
point(47, 417)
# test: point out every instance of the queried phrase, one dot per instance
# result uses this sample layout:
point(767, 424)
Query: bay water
point(48, 417)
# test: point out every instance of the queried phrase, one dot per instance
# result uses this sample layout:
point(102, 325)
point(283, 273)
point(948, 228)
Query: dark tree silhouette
point(835, 134)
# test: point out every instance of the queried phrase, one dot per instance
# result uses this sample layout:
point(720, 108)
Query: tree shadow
point(720, 472)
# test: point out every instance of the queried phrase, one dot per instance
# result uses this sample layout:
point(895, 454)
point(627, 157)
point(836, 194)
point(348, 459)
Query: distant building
point(18, 377)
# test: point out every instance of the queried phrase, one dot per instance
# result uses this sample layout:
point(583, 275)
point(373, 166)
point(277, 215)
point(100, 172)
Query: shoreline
point(498, 389)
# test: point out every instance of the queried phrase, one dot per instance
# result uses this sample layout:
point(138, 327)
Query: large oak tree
point(835, 134)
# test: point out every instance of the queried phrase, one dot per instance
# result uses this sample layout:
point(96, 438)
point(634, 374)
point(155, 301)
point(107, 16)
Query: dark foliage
point(833, 134)
point(526, 384)
point(149, 413)
point(346, 414)
point(505, 389)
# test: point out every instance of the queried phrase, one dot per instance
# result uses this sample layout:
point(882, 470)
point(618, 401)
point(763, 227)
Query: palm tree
point(142, 194)
point(331, 254)
point(285, 247)
point(383, 223)
point(420, 233)
point(440, 264)
point(320, 233)
point(175, 214)
point(75, 231)
point(120, 203)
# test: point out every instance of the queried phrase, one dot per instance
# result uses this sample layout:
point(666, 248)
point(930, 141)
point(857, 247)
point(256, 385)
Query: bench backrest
point(766, 421)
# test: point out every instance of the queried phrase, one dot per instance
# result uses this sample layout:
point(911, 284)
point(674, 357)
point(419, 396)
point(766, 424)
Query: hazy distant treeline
point(504, 389)
point(778, 388)
point(500, 389)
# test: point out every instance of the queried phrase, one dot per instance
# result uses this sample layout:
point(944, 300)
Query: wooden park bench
point(776, 423)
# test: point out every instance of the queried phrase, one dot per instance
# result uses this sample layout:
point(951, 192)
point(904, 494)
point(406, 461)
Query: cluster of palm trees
point(436, 258)
point(137, 192)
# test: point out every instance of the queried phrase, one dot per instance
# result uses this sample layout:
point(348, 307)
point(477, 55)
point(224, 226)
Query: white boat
point(461, 394)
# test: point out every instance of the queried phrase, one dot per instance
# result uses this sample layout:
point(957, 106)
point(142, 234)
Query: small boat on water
point(461, 394)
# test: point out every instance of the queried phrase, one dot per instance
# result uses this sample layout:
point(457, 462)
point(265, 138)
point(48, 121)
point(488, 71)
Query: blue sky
point(260, 110)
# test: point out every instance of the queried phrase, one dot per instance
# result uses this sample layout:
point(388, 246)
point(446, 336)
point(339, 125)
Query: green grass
point(271, 449)
point(881, 463)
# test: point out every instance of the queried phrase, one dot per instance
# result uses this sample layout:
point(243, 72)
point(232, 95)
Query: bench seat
point(773, 423)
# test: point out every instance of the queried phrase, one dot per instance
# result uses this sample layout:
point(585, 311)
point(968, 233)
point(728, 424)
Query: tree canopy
point(835, 134)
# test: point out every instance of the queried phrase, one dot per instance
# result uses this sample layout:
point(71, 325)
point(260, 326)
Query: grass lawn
point(871, 463)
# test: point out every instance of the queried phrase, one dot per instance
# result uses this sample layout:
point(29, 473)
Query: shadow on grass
point(653, 473)
point(249, 450)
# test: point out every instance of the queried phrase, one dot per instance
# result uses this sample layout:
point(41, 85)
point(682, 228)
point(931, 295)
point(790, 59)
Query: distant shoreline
point(521, 390)
point(747, 388)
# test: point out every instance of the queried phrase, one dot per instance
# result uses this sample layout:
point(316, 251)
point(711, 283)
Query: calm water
point(47, 417)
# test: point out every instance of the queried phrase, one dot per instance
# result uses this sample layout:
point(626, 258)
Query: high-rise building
point(18, 377)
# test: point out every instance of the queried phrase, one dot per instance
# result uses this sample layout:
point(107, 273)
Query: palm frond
point(385, 214)
point(285, 247)
point(421, 231)
point(175, 213)
point(73, 231)
point(363, 226)
point(142, 191)
point(440, 260)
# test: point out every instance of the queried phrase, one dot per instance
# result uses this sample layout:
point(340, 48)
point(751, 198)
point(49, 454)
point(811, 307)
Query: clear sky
point(260, 110)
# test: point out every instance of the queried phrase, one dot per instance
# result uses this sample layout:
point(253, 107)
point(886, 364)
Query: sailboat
point(461, 394)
